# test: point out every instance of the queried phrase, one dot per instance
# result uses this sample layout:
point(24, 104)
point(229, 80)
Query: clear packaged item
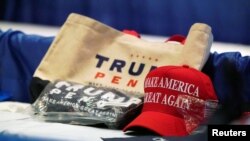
point(196, 112)
point(74, 103)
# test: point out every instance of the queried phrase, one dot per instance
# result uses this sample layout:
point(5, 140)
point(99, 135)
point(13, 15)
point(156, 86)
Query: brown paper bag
point(87, 51)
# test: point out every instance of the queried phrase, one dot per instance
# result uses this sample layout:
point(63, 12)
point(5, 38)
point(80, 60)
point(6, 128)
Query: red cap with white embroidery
point(175, 100)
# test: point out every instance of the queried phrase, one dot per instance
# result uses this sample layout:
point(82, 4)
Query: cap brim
point(160, 123)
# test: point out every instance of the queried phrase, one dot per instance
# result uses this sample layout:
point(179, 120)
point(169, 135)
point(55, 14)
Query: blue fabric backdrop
point(20, 55)
point(230, 19)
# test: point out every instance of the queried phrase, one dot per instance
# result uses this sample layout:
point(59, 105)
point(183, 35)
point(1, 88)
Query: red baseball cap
point(132, 32)
point(177, 38)
point(175, 101)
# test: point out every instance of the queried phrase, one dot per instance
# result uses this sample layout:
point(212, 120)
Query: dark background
point(229, 19)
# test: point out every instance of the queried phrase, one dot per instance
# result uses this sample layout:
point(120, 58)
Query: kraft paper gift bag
point(88, 52)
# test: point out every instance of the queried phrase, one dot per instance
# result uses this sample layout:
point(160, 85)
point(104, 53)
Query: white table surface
point(16, 120)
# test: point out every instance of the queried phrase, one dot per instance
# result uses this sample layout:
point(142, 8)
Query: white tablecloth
point(16, 120)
